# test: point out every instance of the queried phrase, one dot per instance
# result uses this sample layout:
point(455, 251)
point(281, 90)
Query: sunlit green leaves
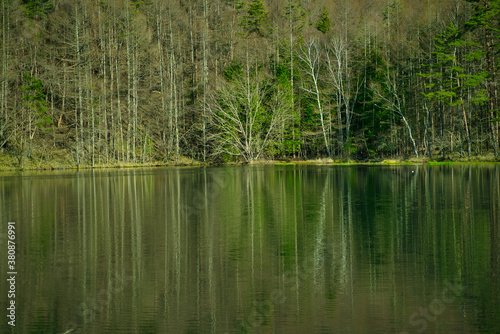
point(485, 12)
point(475, 80)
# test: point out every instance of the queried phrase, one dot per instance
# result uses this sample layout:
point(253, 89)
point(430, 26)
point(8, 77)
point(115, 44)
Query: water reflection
point(257, 249)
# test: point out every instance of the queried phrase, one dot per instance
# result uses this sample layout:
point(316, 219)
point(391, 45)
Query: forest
point(97, 82)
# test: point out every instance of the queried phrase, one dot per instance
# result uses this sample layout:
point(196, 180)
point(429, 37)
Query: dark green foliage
point(323, 24)
point(450, 73)
point(37, 8)
point(138, 3)
point(291, 136)
point(255, 20)
point(233, 71)
point(485, 13)
point(310, 118)
point(443, 87)
point(35, 100)
point(296, 13)
point(375, 119)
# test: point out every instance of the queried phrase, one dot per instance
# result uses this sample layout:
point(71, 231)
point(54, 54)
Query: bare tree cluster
point(139, 81)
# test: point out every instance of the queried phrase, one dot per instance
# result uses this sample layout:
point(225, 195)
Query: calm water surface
point(281, 249)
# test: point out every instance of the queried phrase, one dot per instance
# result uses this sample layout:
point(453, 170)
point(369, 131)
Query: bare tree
point(244, 121)
point(341, 75)
point(393, 102)
point(311, 57)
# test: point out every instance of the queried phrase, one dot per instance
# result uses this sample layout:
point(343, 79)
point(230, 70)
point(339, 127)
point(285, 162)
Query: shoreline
point(8, 164)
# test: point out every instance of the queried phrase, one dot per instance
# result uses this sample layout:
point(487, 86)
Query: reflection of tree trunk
point(210, 239)
point(319, 246)
point(176, 234)
point(467, 200)
point(251, 212)
point(494, 234)
point(344, 244)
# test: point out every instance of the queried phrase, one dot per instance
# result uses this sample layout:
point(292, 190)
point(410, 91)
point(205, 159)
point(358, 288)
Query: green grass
point(284, 163)
point(441, 163)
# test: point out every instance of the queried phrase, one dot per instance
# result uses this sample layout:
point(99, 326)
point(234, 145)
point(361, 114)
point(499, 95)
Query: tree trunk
point(5, 68)
point(80, 147)
point(135, 99)
point(311, 57)
point(103, 101)
point(491, 85)
point(119, 128)
point(129, 83)
point(204, 118)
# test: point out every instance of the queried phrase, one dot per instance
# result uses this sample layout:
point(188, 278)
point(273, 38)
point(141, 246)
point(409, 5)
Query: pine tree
point(451, 80)
point(35, 99)
point(255, 20)
point(37, 8)
point(486, 15)
point(324, 22)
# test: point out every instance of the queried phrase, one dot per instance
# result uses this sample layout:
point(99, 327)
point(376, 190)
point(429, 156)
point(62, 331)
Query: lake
point(257, 249)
